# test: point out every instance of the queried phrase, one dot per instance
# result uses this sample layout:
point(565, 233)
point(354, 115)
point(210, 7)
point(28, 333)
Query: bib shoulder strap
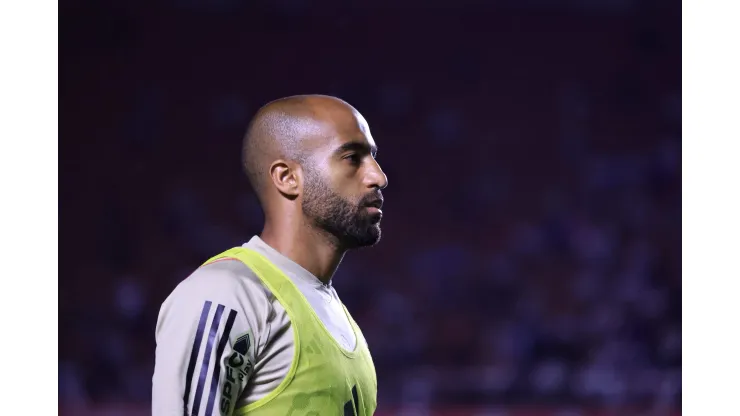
point(279, 284)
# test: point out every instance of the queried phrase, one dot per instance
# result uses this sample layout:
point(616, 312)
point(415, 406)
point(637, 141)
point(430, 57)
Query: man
point(259, 329)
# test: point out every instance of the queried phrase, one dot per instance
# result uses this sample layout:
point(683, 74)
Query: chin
point(368, 238)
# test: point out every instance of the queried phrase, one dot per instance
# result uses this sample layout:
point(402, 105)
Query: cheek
point(340, 184)
point(345, 183)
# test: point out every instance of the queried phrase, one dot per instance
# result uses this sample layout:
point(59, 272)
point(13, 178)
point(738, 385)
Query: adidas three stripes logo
point(206, 336)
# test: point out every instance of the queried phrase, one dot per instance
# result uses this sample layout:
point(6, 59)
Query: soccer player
point(259, 329)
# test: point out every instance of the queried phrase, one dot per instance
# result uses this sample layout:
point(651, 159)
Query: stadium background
point(532, 241)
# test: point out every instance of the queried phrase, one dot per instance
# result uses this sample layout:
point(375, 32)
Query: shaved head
point(313, 156)
point(285, 129)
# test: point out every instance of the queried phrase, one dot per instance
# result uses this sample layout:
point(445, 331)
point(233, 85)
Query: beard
point(350, 223)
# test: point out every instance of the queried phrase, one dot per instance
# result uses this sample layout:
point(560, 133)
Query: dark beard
point(350, 224)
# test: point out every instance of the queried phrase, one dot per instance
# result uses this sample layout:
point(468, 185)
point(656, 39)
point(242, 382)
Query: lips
point(378, 203)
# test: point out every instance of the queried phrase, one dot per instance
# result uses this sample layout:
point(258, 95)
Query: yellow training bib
point(324, 379)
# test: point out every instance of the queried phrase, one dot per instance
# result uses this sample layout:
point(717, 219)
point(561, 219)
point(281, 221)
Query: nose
point(376, 177)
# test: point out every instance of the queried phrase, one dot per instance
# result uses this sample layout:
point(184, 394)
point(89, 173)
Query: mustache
point(374, 199)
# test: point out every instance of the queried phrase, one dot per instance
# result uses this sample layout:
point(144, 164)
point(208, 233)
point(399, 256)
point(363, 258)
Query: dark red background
point(533, 217)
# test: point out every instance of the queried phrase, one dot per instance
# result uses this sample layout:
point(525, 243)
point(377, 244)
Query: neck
point(311, 249)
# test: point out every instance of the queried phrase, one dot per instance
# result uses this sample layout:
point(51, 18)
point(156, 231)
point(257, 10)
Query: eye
point(353, 158)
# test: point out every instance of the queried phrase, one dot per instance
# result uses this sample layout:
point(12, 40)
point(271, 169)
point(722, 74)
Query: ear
point(286, 177)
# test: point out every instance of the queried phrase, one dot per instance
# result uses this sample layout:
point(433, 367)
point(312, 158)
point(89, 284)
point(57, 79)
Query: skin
point(311, 161)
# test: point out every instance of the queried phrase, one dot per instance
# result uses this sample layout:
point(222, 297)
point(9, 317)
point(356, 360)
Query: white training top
point(223, 318)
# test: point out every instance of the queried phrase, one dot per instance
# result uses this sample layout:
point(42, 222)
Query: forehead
point(349, 127)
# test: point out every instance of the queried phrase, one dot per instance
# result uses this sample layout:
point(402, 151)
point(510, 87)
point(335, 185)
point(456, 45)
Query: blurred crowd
point(531, 242)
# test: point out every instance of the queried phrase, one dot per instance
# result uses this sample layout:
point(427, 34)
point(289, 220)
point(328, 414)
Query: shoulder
point(228, 286)
point(230, 283)
point(224, 278)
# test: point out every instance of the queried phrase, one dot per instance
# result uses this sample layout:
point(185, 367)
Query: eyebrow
point(356, 146)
